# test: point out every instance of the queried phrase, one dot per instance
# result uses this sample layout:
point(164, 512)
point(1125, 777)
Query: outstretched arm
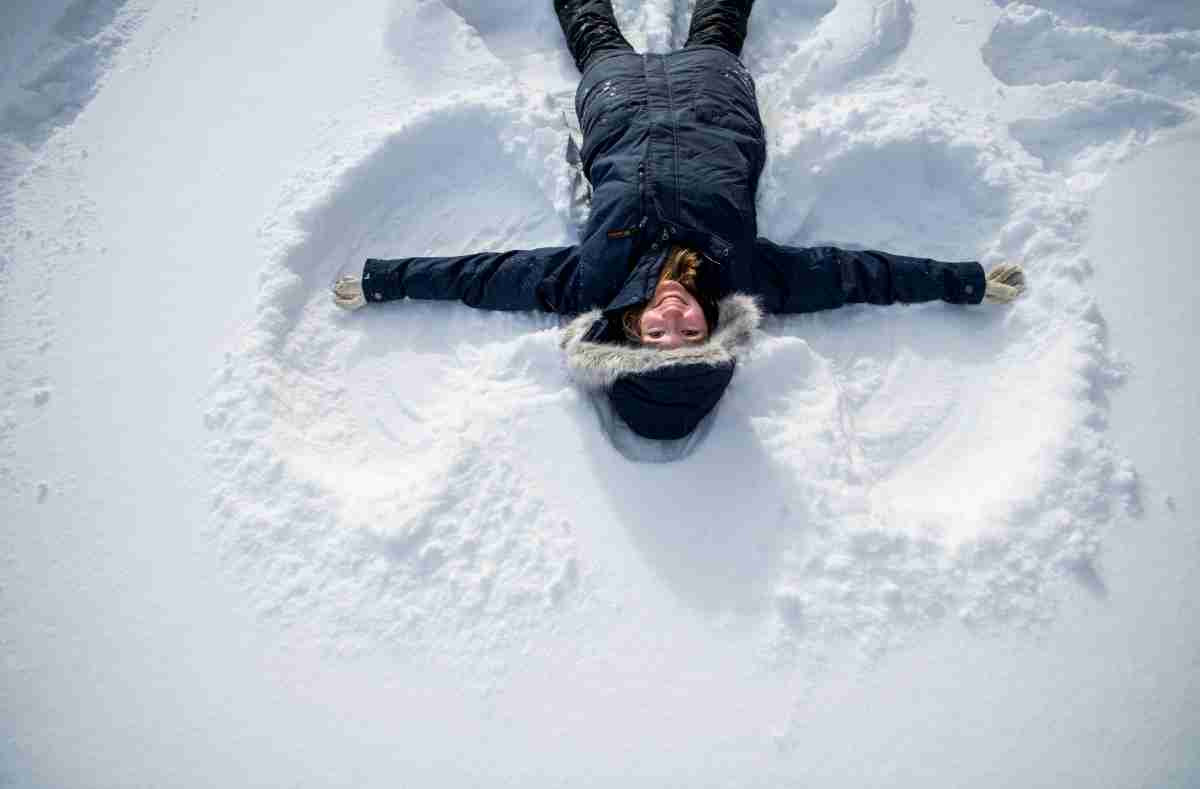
point(533, 279)
point(806, 279)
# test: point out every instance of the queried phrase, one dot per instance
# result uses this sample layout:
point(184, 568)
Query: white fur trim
point(597, 365)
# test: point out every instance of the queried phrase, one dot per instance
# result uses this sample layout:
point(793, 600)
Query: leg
point(721, 23)
point(590, 28)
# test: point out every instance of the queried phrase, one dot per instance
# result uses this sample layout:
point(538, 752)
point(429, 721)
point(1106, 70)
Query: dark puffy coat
point(673, 146)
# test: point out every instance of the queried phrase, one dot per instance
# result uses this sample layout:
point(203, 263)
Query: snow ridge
point(44, 87)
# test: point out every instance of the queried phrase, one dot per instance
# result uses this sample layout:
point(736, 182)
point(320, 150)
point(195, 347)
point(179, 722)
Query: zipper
point(629, 231)
point(642, 186)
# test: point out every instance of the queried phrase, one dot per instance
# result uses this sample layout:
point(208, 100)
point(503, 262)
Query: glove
point(1004, 283)
point(348, 292)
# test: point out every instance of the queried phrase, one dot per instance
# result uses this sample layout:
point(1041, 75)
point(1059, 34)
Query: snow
point(247, 539)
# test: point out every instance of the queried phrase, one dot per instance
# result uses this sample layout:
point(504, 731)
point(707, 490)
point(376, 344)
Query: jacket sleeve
point(533, 279)
point(806, 279)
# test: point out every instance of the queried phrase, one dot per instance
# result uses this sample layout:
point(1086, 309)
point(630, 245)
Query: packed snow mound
point(424, 474)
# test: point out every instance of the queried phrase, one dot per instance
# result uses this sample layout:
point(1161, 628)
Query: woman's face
point(673, 318)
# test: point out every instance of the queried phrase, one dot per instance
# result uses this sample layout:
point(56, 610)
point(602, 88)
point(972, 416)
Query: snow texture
point(918, 463)
point(425, 483)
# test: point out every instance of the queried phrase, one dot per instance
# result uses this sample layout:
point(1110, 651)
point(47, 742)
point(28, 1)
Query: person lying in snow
point(669, 276)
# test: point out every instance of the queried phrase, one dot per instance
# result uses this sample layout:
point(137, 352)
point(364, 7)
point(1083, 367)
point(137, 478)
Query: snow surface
point(249, 540)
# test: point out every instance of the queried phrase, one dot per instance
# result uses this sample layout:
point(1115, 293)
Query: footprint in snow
point(804, 47)
point(1145, 16)
point(1091, 94)
point(1075, 127)
point(524, 36)
point(1031, 46)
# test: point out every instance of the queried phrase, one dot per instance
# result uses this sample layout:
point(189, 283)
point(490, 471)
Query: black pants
point(591, 28)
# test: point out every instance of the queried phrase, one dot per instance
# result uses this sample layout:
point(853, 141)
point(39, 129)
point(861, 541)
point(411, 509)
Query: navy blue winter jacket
point(673, 146)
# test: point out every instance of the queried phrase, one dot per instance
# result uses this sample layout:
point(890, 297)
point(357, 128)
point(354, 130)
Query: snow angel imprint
point(669, 277)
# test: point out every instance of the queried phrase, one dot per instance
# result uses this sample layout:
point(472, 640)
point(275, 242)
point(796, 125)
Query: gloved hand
point(1004, 283)
point(348, 292)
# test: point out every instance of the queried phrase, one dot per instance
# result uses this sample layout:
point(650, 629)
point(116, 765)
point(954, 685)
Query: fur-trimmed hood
point(598, 365)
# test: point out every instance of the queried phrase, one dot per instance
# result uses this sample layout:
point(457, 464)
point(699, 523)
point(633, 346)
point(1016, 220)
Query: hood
point(598, 365)
point(662, 395)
